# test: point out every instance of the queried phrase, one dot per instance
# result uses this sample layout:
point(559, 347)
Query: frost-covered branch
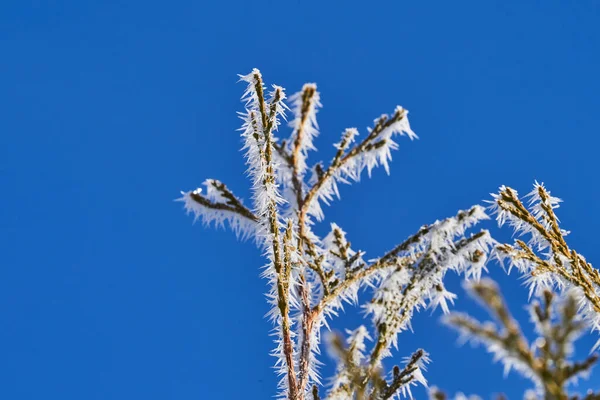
point(545, 257)
point(411, 289)
point(355, 380)
point(310, 278)
point(547, 360)
point(220, 205)
point(348, 163)
point(305, 127)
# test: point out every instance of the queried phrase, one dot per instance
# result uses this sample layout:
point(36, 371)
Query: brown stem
point(237, 207)
point(273, 221)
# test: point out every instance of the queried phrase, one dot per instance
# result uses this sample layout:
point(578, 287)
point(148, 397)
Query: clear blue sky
point(108, 109)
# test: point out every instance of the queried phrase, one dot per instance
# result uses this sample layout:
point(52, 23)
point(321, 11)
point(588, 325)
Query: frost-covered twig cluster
point(545, 258)
point(546, 361)
point(353, 372)
point(311, 277)
point(565, 302)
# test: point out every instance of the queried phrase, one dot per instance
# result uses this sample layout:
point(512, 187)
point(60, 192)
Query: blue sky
point(109, 109)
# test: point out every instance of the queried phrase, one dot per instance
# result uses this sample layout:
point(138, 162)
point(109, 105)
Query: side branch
point(340, 159)
point(542, 223)
point(427, 266)
point(360, 276)
point(233, 205)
